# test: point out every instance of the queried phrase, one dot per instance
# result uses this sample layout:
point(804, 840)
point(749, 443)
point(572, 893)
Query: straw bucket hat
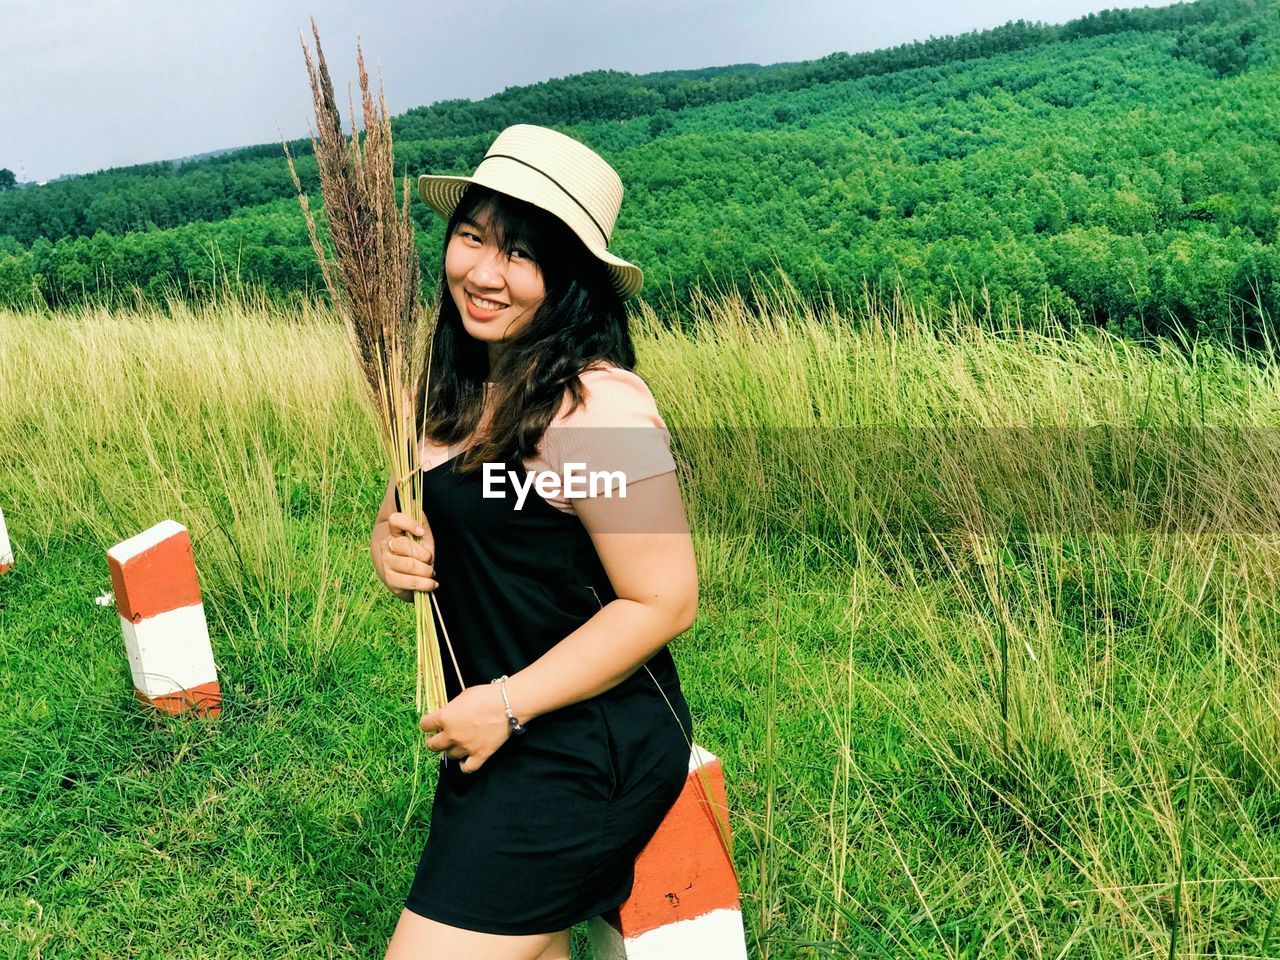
point(559, 175)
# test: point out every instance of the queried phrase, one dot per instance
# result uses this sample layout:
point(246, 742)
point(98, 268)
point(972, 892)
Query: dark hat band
point(506, 156)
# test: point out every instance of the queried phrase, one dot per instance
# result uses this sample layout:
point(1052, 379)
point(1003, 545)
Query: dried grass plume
point(373, 278)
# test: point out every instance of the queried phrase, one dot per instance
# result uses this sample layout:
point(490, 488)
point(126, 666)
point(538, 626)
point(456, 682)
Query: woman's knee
point(420, 938)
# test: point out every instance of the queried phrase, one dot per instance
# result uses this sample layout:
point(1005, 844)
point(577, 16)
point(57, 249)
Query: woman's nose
point(487, 270)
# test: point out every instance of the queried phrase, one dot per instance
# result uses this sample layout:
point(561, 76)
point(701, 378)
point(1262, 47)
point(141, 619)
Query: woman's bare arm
point(655, 577)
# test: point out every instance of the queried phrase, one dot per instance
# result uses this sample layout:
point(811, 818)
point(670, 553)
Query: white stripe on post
point(684, 903)
point(162, 619)
point(6, 549)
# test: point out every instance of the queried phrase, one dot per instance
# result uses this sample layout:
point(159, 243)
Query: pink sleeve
point(617, 427)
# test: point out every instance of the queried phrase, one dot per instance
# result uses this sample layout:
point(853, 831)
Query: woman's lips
point(480, 313)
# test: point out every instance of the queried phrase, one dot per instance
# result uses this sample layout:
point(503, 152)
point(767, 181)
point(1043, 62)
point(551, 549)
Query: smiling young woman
point(495, 291)
point(566, 736)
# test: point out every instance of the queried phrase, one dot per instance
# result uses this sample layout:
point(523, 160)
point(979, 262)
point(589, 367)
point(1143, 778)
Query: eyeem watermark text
point(549, 484)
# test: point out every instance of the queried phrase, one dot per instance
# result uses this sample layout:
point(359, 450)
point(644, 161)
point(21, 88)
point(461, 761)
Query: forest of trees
point(1124, 167)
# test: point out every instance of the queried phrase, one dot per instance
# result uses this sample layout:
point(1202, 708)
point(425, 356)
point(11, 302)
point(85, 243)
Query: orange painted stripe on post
point(204, 699)
point(685, 870)
point(159, 579)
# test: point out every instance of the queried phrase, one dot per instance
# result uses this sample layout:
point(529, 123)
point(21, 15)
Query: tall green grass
point(987, 636)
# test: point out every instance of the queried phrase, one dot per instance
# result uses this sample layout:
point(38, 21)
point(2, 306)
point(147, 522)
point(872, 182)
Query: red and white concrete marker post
point(162, 618)
point(684, 904)
point(6, 549)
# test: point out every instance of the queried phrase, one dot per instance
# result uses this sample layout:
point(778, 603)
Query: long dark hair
point(581, 320)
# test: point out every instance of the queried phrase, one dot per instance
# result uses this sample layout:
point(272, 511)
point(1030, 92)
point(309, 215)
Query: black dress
point(545, 834)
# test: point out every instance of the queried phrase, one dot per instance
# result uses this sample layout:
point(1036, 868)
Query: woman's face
point(496, 294)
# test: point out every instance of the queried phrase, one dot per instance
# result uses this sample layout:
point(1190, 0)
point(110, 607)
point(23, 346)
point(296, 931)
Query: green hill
point(1122, 166)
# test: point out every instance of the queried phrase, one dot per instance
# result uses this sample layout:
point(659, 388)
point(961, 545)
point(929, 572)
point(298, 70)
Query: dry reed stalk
point(372, 277)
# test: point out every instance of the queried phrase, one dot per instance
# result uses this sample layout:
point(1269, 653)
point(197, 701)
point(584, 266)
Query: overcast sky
point(91, 84)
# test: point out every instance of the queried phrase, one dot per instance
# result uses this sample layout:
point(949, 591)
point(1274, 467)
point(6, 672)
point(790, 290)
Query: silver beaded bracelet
point(516, 726)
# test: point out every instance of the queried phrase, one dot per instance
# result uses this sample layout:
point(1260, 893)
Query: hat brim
point(442, 194)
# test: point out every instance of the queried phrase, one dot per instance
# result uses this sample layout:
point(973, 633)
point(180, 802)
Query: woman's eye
point(521, 254)
point(469, 235)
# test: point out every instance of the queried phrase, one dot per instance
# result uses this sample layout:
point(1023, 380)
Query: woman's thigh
point(418, 938)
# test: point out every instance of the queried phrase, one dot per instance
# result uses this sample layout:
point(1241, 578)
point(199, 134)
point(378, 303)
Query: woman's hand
point(471, 726)
point(406, 562)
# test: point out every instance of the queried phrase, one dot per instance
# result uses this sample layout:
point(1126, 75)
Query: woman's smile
point(482, 308)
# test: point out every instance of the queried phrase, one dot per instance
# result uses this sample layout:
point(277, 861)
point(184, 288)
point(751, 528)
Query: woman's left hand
point(471, 726)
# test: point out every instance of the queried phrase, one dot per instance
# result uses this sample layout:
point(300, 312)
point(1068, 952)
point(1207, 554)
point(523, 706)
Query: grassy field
point(987, 637)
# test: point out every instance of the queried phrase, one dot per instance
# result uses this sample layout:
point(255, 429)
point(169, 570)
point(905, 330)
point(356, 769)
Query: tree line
point(1124, 167)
